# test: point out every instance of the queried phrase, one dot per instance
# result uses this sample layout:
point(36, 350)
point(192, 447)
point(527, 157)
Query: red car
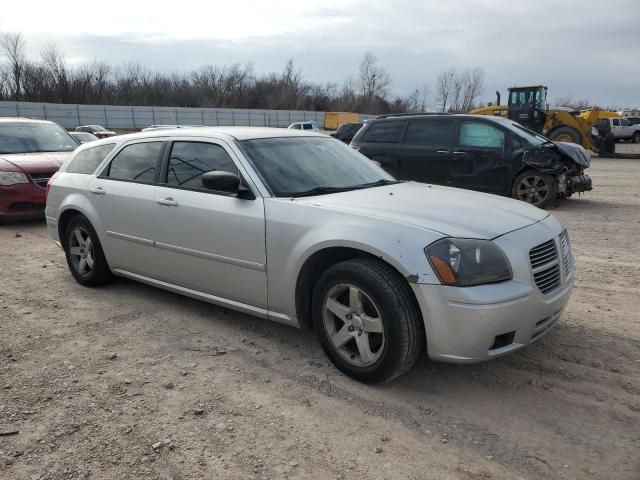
point(31, 151)
point(98, 130)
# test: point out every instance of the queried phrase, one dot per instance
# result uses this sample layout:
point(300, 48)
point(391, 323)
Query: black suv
point(347, 131)
point(488, 154)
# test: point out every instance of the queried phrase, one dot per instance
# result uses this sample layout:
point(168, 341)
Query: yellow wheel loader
point(528, 106)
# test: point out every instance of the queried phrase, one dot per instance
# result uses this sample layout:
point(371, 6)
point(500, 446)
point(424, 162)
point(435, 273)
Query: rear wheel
point(366, 320)
point(566, 134)
point(84, 253)
point(538, 189)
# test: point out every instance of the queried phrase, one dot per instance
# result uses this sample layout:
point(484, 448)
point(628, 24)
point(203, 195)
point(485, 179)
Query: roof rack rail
point(387, 115)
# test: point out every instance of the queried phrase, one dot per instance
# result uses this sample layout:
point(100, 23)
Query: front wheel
point(636, 137)
point(366, 320)
point(84, 253)
point(538, 189)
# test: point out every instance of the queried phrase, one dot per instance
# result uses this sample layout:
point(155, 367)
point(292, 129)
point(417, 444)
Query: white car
point(298, 228)
point(309, 126)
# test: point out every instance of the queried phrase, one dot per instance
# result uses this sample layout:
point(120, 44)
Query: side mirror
point(223, 182)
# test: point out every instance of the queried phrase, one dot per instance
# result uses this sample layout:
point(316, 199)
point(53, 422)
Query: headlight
point(465, 262)
point(11, 178)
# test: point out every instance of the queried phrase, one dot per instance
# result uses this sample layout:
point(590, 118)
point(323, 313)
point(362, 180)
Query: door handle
point(98, 191)
point(442, 151)
point(169, 202)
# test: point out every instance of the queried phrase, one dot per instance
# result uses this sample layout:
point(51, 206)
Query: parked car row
point(488, 154)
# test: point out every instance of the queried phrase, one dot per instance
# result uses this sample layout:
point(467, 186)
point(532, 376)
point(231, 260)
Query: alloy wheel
point(354, 325)
point(81, 251)
point(533, 189)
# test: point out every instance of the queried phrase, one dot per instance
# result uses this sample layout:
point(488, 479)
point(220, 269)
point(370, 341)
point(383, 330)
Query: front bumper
point(466, 325)
point(24, 200)
point(579, 183)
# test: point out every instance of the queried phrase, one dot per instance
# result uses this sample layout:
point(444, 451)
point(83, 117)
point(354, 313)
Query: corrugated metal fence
point(125, 117)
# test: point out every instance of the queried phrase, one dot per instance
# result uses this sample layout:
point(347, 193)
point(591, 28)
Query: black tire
point(610, 144)
point(98, 273)
point(535, 180)
point(636, 137)
point(566, 134)
point(402, 332)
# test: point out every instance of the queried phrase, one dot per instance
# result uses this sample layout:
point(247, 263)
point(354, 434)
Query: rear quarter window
point(88, 160)
point(383, 132)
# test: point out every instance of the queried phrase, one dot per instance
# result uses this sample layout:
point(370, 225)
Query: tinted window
point(480, 134)
point(190, 160)
point(383, 132)
point(433, 131)
point(616, 122)
point(136, 162)
point(624, 122)
point(88, 160)
point(307, 126)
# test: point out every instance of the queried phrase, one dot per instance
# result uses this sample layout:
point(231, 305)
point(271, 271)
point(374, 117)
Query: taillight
point(53, 177)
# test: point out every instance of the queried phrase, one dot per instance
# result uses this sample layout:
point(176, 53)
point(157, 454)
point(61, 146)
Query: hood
point(451, 211)
point(575, 152)
point(35, 162)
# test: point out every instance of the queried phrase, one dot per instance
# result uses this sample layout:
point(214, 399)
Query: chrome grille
point(41, 179)
point(543, 254)
point(546, 266)
point(566, 252)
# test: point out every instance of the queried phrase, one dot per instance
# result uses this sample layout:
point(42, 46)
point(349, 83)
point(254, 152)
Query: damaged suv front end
point(562, 165)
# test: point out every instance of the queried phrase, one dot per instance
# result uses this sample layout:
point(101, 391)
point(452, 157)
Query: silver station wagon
point(296, 227)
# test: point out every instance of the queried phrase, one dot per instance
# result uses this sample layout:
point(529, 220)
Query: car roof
point(23, 120)
point(219, 133)
point(415, 116)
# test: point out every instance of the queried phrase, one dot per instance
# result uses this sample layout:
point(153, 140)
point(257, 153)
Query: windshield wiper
point(318, 191)
point(326, 190)
point(378, 183)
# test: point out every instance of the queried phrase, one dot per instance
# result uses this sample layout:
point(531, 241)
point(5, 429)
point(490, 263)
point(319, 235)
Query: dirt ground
point(129, 381)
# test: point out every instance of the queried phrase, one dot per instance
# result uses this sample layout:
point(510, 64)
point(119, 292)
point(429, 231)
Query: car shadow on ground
point(564, 343)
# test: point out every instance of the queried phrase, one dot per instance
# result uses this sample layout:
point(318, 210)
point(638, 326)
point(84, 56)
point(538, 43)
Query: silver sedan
point(295, 227)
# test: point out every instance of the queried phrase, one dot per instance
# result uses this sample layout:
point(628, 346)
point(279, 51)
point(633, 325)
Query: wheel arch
point(78, 205)
point(320, 261)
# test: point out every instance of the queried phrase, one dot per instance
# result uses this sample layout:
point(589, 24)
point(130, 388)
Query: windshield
point(97, 128)
point(35, 137)
point(529, 136)
point(293, 165)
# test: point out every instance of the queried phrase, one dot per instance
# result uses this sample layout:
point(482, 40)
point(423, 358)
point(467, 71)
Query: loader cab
point(528, 106)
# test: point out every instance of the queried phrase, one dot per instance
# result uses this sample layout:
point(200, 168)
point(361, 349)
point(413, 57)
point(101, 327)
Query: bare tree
point(444, 87)
point(374, 80)
point(14, 46)
point(458, 91)
point(54, 65)
point(473, 87)
point(417, 100)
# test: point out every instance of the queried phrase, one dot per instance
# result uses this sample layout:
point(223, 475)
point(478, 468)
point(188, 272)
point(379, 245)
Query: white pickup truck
point(621, 128)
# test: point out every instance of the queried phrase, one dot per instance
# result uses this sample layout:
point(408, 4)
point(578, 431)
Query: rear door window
point(480, 134)
point(384, 132)
point(616, 122)
point(88, 160)
point(190, 160)
point(136, 163)
point(430, 131)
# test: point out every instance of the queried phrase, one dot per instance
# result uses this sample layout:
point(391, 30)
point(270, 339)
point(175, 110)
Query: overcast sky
point(582, 48)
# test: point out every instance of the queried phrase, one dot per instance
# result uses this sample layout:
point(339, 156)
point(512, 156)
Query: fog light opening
point(503, 340)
